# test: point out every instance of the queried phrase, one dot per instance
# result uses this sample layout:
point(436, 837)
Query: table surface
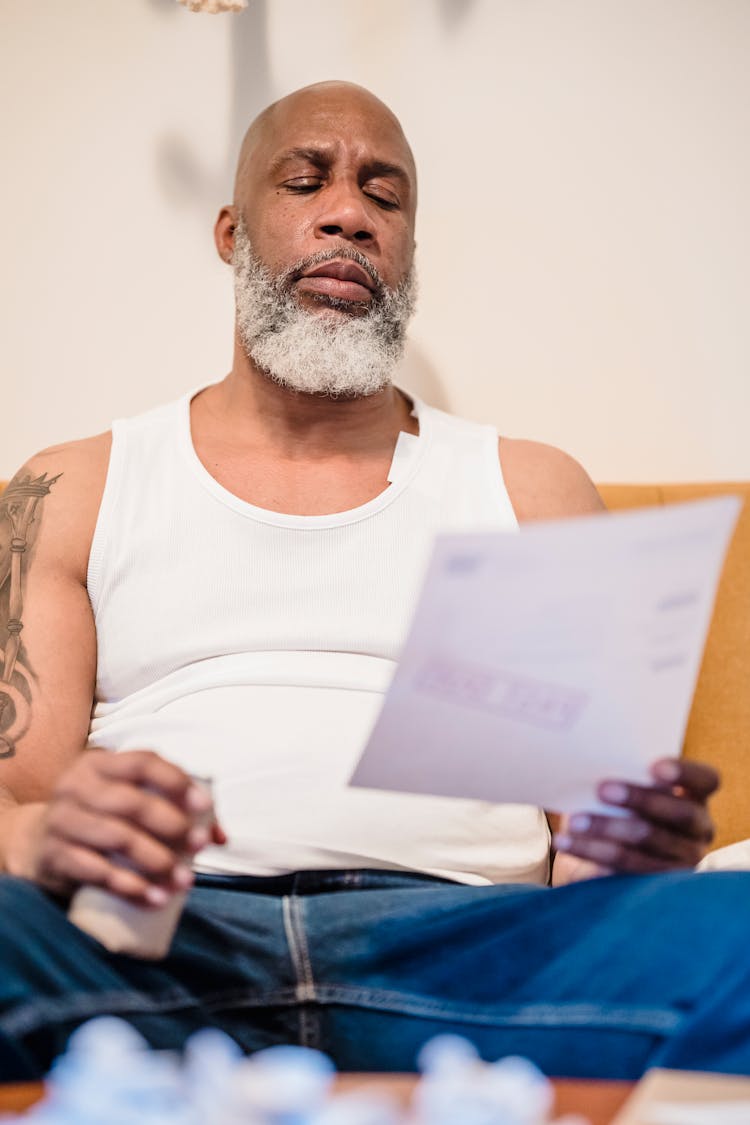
point(599, 1101)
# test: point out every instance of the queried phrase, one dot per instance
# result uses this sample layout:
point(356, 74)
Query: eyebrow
point(321, 158)
point(384, 168)
point(317, 156)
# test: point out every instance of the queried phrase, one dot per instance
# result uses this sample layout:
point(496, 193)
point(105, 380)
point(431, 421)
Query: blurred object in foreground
point(214, 6)
point(109, 1073)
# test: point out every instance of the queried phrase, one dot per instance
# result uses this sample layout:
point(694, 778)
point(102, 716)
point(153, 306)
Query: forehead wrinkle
point(319, 155)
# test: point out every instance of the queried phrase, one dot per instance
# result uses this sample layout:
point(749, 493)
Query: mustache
point(286, 280)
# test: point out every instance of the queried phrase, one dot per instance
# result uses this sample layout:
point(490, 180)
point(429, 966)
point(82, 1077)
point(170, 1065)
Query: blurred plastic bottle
point(108, 1073)
point(457, 1086)
point(210, 1063)
point(279, 1086)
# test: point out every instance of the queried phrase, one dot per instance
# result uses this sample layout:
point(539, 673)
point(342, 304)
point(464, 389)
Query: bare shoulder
point(57, 493)
point(545, 483)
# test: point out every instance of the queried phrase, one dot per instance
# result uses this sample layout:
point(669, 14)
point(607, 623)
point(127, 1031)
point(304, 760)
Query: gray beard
point(345, 350)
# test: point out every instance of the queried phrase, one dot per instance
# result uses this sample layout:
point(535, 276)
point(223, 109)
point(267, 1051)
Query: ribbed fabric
point(256, 647)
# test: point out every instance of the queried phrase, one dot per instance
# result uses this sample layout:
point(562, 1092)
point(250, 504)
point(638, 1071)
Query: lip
point(340, 280)
point(342, 270)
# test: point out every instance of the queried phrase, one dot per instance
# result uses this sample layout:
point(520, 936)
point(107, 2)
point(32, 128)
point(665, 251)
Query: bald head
point(331, 101)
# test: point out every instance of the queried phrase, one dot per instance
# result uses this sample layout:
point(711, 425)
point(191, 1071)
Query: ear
point(224, 232)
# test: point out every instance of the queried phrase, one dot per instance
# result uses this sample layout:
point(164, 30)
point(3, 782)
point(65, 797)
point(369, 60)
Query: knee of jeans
point(720, 897)
point(21, 902)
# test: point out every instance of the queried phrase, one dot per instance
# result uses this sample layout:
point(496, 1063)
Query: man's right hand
point(124, 821)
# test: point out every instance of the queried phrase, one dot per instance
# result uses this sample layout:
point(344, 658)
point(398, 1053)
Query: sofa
point(719, 726)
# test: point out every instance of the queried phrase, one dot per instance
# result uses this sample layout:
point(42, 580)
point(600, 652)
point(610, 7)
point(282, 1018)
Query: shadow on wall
point(183, 176)
point(185, 179)
point(251, 79)
point(454, 12)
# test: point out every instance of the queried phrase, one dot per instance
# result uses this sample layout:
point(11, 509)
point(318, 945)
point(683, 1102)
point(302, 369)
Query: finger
point(148, 769)
point(640, 835)
point(218, 835)
point(203, 834)
point(678, 813)
point(145, 809)
point(111, 836)
point(71, 865)
point(697, 778)
point(613, 855)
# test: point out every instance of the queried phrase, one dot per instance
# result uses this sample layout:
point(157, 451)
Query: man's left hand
point(668, 826)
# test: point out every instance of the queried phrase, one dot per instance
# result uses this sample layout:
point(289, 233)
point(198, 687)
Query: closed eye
point(303, 185)
point(383, 201)
point(308, 184)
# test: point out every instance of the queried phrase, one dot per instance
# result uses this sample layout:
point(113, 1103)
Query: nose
point(344, 214)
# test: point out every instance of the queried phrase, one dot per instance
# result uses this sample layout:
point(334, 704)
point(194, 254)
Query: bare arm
point(65, 810)
point(544, 483)
point(47, 516)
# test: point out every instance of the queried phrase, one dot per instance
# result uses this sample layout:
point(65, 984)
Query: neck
point(252, 410)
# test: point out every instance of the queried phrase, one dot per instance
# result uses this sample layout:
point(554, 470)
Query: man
point(221, 587)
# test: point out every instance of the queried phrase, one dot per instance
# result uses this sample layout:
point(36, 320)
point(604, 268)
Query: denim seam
point(309, 1026)
point(280, 998)
point(295, 936)
point(298, 915)
point(663, 1021)
point(27, 1017)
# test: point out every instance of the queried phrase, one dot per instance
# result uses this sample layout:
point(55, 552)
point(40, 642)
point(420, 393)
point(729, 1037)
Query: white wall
point(584, 232)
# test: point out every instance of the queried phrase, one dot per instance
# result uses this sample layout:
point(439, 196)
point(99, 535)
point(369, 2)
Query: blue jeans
point(600, 979)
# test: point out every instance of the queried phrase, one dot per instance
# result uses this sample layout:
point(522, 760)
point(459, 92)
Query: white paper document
point(541, 662)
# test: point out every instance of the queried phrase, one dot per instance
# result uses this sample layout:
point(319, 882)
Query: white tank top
point(255, 647)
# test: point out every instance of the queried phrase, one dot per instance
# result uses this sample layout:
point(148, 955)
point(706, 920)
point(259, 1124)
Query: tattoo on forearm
point(20, 508)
